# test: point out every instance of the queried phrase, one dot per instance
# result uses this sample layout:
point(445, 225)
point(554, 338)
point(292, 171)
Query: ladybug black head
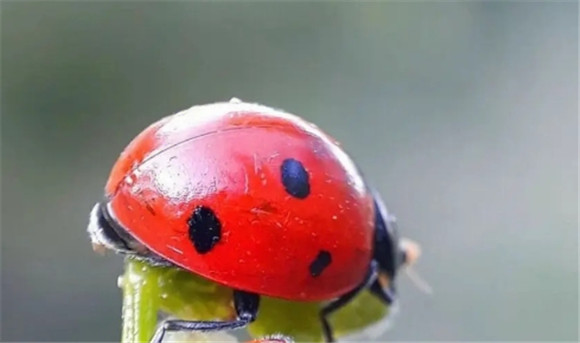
point(387, 250)
point(107, 234)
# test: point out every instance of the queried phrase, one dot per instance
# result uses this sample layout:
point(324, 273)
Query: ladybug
point(253, 198)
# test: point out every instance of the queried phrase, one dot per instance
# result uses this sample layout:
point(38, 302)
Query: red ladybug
point(253, 198)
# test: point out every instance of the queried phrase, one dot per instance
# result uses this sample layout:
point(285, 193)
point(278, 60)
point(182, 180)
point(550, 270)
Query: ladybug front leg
point(339, 303)
point(386, 295)
point(246, 305)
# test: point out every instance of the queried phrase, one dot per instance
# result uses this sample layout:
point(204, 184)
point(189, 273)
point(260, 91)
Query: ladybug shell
point(251, 197)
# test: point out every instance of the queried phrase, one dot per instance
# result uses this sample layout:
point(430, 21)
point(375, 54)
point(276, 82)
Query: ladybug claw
point(158, 337)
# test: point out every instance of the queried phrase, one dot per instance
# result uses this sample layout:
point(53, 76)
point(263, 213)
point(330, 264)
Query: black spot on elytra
point(295, 178)
point(322, 260)
point(205, 229)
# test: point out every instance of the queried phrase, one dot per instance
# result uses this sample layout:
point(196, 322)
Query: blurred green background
point(463, 114)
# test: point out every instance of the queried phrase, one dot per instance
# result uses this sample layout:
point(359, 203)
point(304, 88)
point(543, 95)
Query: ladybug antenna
point(418, 281)
point(411, 252)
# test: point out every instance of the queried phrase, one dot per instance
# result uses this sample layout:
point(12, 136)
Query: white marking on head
point(98, 238)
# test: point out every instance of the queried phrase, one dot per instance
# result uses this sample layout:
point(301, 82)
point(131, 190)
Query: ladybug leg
point(386, 295)
point(246, 305)
point(337, 304)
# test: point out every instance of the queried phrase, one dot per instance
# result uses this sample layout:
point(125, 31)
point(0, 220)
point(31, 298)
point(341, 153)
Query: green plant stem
point(147, 290)
point(140, 301)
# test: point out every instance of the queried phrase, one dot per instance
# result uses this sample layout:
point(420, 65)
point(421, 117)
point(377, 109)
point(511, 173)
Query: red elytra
point(228, 157)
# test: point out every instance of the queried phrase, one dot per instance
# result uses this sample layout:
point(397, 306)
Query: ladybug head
point(390, 251)
point(107, 234)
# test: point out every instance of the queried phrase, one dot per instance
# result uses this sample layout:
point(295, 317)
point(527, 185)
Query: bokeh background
point(463, 114)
